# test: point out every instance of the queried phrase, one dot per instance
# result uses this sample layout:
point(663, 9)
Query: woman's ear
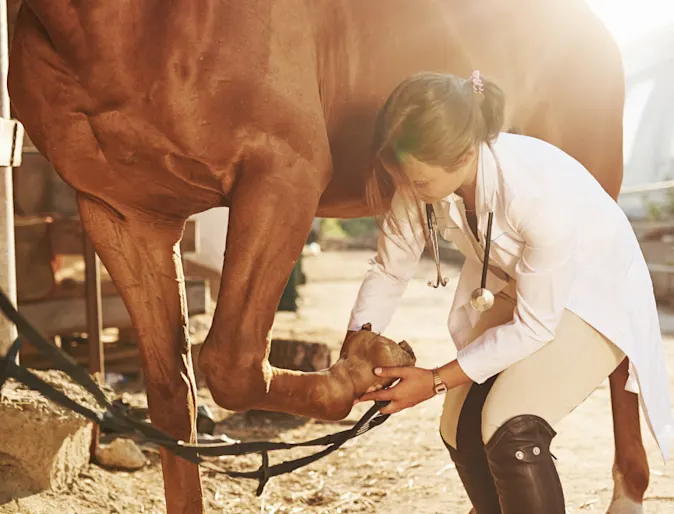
point(467, 157)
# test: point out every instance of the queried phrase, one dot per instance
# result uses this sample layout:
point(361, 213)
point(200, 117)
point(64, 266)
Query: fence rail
point(647, 188)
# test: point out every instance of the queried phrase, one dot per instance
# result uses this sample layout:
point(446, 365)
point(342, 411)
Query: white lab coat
point(565, 242)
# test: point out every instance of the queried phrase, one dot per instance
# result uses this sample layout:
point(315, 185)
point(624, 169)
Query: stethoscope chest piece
point(482, 299)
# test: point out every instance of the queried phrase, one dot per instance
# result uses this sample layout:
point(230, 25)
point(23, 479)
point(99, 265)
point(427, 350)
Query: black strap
point(62, 360)
point(9, 358)
point(117, 418)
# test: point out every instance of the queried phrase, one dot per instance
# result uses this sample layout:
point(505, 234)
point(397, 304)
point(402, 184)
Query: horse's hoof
point(625, 506)
point(366, 350)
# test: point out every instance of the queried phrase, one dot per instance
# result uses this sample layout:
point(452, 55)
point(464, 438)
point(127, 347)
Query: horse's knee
point(235, 386)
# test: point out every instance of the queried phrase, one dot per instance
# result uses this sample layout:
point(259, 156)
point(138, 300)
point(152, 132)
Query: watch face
point(440, 389)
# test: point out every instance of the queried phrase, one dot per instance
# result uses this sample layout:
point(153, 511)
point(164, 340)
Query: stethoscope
point(481, 299)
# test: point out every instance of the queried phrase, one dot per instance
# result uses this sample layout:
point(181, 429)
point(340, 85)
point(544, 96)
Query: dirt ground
point(398, 468)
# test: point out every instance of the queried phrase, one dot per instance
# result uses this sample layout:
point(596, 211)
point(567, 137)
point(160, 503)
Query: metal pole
point(92, 287)
point(7, 253)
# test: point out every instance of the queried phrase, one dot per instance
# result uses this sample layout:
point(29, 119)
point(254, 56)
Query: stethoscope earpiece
point(481, 299)
point(432, 231)
point(440, 281)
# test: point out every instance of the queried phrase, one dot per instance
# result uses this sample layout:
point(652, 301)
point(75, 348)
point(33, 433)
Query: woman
point(573, 294)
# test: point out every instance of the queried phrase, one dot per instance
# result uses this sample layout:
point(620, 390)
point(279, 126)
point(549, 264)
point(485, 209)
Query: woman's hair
point(436, 118)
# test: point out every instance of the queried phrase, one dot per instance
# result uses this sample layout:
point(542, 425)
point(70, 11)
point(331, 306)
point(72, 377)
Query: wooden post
point(92, 285)
point(7, 257)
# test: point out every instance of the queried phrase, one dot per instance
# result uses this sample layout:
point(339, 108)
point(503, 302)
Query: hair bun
point(492, 105)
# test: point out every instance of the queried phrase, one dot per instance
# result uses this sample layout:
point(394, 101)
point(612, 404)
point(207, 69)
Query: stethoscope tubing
point(487, 246)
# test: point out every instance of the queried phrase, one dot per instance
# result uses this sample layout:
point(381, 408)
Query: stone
point(120, 454)
point(42, 446)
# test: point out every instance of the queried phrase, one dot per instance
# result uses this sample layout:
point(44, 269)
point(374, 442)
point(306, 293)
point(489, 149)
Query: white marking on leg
point(621, 503)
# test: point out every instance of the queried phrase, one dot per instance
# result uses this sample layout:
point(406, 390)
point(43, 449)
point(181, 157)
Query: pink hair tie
point(478, 86)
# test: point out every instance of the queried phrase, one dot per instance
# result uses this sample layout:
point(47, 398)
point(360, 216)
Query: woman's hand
point(415, 386)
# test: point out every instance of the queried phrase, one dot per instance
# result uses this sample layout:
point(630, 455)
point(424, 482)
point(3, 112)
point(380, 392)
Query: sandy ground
point(400, 467)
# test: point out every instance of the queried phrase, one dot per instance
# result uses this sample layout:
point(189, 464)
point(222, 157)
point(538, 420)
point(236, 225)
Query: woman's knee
point(497, 411)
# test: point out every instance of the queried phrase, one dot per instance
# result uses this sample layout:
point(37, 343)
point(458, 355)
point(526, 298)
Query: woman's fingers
point(393, 407)
point(394, 371)
point(375, 396)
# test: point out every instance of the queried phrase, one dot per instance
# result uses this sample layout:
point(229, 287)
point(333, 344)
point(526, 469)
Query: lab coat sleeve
point(543, 275)
point(390, 269)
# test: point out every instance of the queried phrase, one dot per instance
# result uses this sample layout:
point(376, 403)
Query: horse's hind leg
point(630, 468)
point(591, 131)
point(143, 259)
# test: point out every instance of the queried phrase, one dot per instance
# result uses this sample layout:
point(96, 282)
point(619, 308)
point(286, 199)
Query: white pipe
point(7, 252)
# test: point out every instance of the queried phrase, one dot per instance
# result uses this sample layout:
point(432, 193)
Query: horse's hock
point(42, 446)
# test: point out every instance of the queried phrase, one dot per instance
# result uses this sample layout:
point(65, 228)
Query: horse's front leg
point(272, 207)
point(143, 258)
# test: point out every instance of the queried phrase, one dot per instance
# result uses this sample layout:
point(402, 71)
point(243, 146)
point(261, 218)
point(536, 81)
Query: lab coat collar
point(485, 193)
point(487, 175)
point(485, 184)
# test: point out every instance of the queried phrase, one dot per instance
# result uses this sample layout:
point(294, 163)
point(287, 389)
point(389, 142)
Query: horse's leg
point(271, 210)
point(630, 467)
point(272, 207)
point(143, 259)
point(592, 131)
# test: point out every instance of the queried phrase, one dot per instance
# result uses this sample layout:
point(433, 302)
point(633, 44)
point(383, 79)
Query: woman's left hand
point(415, 386)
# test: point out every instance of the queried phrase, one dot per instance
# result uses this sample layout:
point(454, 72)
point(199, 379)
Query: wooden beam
point(34, 268)
point(640, 225)
point(661, 268)
point(647, 188)
point(65, 234)
point(67, 314)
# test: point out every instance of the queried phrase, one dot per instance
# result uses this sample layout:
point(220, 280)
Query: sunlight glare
point(630, 19)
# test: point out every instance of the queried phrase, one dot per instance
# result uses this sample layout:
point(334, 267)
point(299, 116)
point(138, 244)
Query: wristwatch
point(438, 385)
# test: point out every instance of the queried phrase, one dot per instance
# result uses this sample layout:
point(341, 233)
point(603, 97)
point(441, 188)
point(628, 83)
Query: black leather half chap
point(524, 474)
point(470, 457)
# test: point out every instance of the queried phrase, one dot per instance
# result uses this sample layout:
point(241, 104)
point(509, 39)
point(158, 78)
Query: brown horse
point(157, 110)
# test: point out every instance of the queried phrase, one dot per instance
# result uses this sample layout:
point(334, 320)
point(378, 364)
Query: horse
point(156, 110)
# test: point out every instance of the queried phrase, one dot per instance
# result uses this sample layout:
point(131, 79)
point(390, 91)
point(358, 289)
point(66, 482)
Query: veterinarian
point(562, 297)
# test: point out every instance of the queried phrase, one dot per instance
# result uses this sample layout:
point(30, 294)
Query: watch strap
point(438, 385)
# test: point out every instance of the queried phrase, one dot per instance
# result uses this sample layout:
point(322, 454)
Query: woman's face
point(433, 183)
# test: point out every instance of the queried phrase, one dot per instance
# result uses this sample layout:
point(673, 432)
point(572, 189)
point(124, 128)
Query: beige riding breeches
point(550, 383)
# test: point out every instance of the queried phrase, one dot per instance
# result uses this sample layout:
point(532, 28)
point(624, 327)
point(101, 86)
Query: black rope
point(117, 418)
